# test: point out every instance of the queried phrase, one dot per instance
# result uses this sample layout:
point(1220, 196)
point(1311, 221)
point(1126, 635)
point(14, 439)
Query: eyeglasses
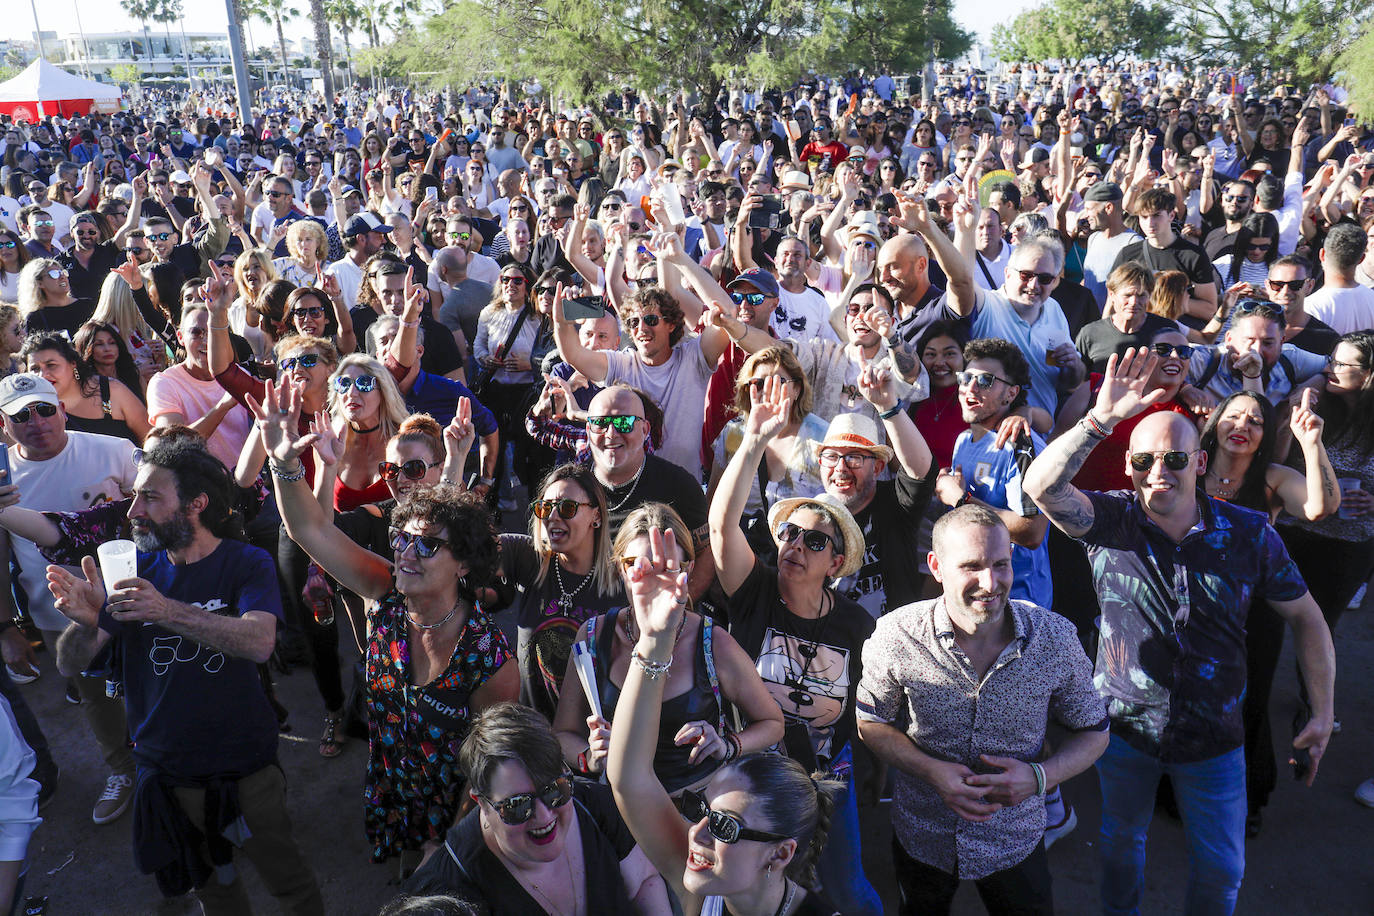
point(426, 545)
point(812, 540)
point(980, 379)
point(158, 236)
point(308, 311)
point(1293, 285)
point(1175, 460)
point(414, 469)
point(514, 280)
point(1182, 351)
point(1043, 279)
point(364, 383)
point(43, 410)
point(305, 361)
point(566, 508)
point(518, 809)
point(724, 827)
point(830, 458)
point(623, 423)
point(1258, 246)
point(756, 385)
point(1333, 363)
point(753, 299)
point(649, 321)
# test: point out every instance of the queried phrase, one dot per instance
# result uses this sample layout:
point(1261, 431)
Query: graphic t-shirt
point(195, 711)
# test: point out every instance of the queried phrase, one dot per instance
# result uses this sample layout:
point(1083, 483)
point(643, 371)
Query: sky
point(208, 15)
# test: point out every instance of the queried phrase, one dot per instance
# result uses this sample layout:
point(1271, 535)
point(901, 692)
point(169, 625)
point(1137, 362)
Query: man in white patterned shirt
point(970, 676)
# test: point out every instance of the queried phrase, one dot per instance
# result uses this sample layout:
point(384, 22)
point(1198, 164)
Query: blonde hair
point(1166, 300)
point(603, 571)
point(297, 234)
point(9, 313)
point(117, 307)
point(31, 295)
point(394, 410)
point(786, 360)
point(264, 259)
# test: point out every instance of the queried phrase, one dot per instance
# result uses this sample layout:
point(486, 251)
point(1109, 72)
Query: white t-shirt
point(175, 390)
point(1345, 310)
point(9, 208)
point(996, 268)
point(802, 316)
point(91, 470)
point(18, 793)
point(350, 277)
point(679, 388)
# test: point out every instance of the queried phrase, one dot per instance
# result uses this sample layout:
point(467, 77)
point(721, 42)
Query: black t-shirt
point(464, 867)
point(1218, 242)
point(441, 354)
point(546, 627)
point(661, 481)
point(1181, 255)
point(66, 318)
point(891, 572)
point(1100, 339)
point(85, 282)
point(1316, 337)
point(812, 668)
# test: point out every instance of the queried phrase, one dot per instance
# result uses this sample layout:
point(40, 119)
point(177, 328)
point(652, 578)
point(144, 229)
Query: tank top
point(347, 498)
point(700, 703)
point(106, 424)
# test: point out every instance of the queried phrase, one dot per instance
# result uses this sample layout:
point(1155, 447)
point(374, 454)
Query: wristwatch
point(486, 481)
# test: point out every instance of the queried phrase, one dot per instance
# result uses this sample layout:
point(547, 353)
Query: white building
point(154, 51)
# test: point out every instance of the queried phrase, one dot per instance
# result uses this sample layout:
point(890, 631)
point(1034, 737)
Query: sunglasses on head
point(414, 469)
point(426, 545)
point(305, 361)
point(1174, 460)
point(752, 299)
point(1247, 307)
point(364, 383)
point(1183, 351)
point(517, 809)
point(649, 321)
point(812, 540)
point(566, 508)
point(980, 379)
point(623, 423)
point(1042, 279)
point(308, 311)
point(724, 827)
point(24, 413)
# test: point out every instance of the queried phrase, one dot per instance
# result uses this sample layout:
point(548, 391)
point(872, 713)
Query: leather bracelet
point(889, 414)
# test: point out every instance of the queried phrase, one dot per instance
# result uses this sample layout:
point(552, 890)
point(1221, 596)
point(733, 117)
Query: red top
point(346, 498)
point(1105, 469)
point(940, 421)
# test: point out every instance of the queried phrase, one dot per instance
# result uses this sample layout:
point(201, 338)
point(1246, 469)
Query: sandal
point(331, 743)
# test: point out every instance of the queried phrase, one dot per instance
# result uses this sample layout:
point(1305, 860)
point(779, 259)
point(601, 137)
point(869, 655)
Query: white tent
point(44, 89)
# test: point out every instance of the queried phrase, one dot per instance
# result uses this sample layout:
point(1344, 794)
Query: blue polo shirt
point(995, 316)
point(438, 396)
point(992, 476)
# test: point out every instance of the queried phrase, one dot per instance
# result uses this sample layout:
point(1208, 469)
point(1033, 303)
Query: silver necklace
point(634, 485)
point(565, 597)
point(435, 626)
point(786, 901)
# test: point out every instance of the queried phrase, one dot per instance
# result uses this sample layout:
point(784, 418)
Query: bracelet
point(1249, 376)
point(1039, 772)
point(411, 324)
point(486, 481)
point(889, 414)
point(734, 747)
point(219, 327)
point(652, 670)
point(278, 473)
point(1093, 428)
point(743, 334)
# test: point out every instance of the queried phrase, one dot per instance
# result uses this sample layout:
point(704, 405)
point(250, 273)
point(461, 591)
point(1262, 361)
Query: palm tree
point(322, 49)
point(401, 11)
point(273, 13)
point(142, 10)
point(167, 12)
point(344, 13)
point(373, 13)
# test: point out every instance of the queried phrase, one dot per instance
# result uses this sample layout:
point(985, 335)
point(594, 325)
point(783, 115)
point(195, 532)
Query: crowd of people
point(655, 482)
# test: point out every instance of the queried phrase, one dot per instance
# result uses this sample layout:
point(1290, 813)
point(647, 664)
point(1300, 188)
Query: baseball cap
point(1104, 192)
point(24, 388)
point(180, 177)
point(349, 189)
point(364, 222)
point(1035, 155)
point(759, 278)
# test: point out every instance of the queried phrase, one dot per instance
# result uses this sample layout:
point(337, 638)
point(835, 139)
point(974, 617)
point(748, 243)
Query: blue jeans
point(1211, 798)
point(841, 865)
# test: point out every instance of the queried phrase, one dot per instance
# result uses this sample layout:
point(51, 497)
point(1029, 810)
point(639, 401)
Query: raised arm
point(767, 417)
point(915, 217)
point(1312, 495)
point(879, 388)
point(591, 363)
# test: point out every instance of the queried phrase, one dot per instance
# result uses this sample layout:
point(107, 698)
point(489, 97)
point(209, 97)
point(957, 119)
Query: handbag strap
point(514, 331)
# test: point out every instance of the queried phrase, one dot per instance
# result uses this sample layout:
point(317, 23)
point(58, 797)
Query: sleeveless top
point(348, 498)
point(106, 424)
point(702, 702)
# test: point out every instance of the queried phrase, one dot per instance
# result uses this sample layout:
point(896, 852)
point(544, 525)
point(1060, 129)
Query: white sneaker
point(23, 678)
point(1062, 829)
point(114, 801)
point(1365, 793)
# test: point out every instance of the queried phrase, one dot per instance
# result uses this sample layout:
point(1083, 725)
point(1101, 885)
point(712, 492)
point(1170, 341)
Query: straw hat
point(850, 533)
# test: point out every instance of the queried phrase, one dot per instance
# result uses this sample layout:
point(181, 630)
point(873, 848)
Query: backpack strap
point(706, 628)
point(1213, 364)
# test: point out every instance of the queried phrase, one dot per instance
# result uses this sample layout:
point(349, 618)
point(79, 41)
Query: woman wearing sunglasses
point(561, 575)
point(711, 674)
point(434, 658)
point(367, 409)
point(538, 841)
point(507, 331)
point(92, 402)
point(13, 257)
point(1256, 247)
point(748, 841)
point(320, 311)
point(45, 298)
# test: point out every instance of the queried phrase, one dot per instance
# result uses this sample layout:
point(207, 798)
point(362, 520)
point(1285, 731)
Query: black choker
point(370, 429)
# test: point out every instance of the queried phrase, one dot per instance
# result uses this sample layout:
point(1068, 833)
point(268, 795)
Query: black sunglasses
point(812, 540)
point(649, 321)
point(518, 809)
point(1183, 351)
point(24, 414)
point(980, 379)
point(1043, 279)
point(1293, 285)
point(414, 469)
point(566, 508)
point(1175, 460)
point(308, 311)
point(724, 827)
point(426, 545)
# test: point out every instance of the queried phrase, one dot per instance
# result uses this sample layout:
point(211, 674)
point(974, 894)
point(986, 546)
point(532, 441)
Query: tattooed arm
point(1047, 480)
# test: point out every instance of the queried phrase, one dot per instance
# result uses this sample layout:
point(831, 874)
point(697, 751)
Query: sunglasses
point(414, 469)
point(812, 540)
point(1182, 351)
point(426, 545)
point(1262, 246)
point(461, 236)
point(649, 321)
point(9, 243)
point(158, 236)
point(623, 423)
point(1175, 460)
point(364, 383)
point(278, 193)
point(753, 299)
point(518, 809)
point(305, 361)
point(308, 311)
point(567, 508)
point(55, 273)
point(517, 281)
point(851, 460)
point(756, 384)
point(43, 222)
point(1293, 285)
point(980, 379)
point(1259, 307)
point(1042, 279)
point(612, 206)
point(43, 410)
point(724, 827)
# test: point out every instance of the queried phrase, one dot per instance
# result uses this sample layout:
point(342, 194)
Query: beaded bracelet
point(1039, 772)
point(652, 670)
point(1093, 428)
point(278, 473)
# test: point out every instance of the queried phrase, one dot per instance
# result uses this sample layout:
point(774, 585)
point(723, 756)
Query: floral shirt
point(413, 786)
point(1171, 653)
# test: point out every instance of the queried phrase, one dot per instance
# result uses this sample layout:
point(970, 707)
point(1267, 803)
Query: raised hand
point(770, 408)
point(914, 214)
point(327, 283)
point(717, 316)
point(217, 289)
point(130, 273)
point(278, 416)
point(657, 586)
point(328, 445)
point(1305, 422)
point(79, 598)
point(876, 383)
point(1123, 393)
point(415, 295)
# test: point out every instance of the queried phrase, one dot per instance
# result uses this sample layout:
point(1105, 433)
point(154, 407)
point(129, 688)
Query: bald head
point(902, 268)
point(1164, 431)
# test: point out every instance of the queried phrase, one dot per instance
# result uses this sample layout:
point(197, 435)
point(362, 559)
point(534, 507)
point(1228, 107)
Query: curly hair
point(197, 471)
point(1015, 369)
point(468, 526)
point(302, 229)
point(656, 297)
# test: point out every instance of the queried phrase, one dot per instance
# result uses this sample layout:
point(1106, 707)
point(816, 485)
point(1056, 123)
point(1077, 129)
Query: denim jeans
point(1211, 798)
point(841, 865)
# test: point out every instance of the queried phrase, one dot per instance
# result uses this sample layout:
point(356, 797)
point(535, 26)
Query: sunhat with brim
point(831, 507)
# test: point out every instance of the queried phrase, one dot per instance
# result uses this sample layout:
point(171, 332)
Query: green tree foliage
point(1357, 64)
point(1077, 30)
point(1306, 37)
point(126, 73)
point(582, 49)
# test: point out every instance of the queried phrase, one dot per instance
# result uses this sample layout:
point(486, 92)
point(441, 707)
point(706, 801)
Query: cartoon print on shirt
point(169, 649)
point(809, 680)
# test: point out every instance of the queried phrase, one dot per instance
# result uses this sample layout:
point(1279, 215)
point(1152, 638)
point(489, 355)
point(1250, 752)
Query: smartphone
point(766, 214)
point(577, 308)
point(5, 467)
point(1349, 122)
point(431, 193)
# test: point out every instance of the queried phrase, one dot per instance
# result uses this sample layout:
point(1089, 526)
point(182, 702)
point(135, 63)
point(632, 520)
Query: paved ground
point(1314, 856)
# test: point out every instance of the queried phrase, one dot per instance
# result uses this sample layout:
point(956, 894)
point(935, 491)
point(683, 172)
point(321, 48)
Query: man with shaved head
point(1175, 572)
point(903, 268)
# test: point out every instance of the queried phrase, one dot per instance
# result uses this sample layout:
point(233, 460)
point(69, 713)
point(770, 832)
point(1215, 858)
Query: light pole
point(37, 29)
point(245, 96)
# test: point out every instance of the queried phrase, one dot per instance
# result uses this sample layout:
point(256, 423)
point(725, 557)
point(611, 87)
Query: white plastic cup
point(672, 203)
point(118, 561)
point(1346, 484)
